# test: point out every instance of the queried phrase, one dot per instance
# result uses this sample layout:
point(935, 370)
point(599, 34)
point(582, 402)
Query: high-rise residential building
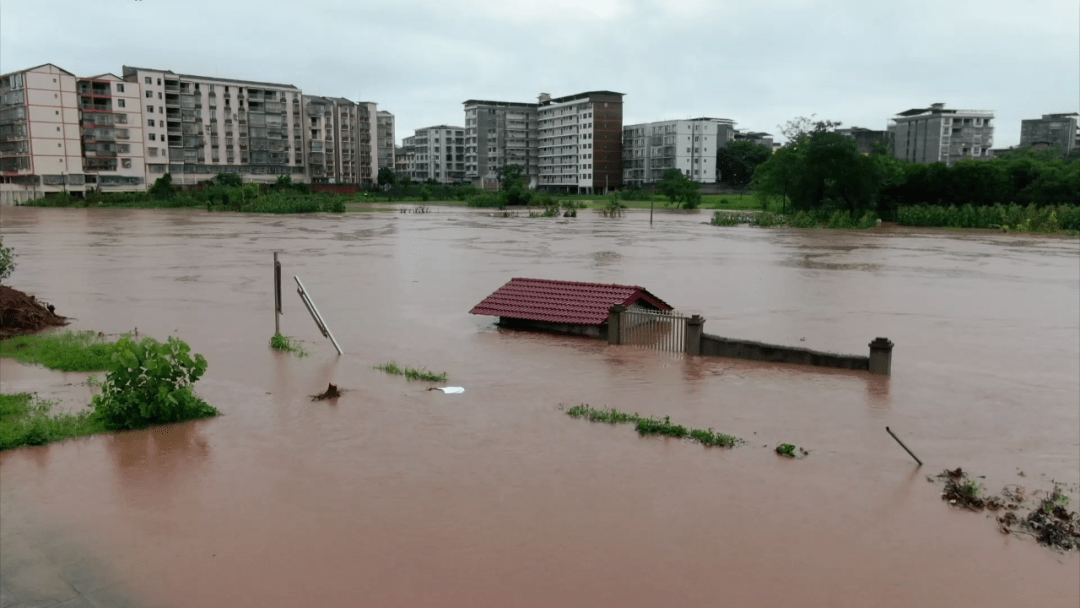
point(438, 154)
point(40, 139)
point(865, 139)
point(112, 133)
point(338, 142)
point(581, 142)
point(1052, 130)
point(386, 141)
point(937, 134)
point(403, 157)
point(204, 125)
point(497, 134)
point(651, 149)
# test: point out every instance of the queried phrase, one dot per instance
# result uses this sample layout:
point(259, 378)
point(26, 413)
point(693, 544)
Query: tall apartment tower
point(650, 149)
point(198, 126)
point(438, 153)
point(937, 134)
point(580, 142)
point(112, 133)
point(386, 141)
point(497, 134)
point(338, 141)
point(1056, 130)
point(40, 147)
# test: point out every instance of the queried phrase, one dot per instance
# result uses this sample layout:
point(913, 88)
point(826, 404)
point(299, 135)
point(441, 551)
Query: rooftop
point(562, 301)
point(585, 95)
point(129, 69)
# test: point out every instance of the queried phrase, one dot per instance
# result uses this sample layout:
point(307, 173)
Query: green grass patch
point(284, 343)
point(67, 351)
point(412, 373)
point(653, 426)
point(26, 420)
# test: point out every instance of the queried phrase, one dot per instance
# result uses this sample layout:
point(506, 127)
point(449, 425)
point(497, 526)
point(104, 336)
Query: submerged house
point(567, 307)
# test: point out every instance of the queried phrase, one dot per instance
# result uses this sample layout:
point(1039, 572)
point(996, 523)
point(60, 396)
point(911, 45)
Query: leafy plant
point(7, 260)
point(151, 382)
point(652, 426)
point(25, 420)
point(786, 449)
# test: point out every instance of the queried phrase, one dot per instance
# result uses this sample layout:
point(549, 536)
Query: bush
point(163, 187)
point(7, 260)
point(151, 383)
point(486, 199)
point(1007, 217)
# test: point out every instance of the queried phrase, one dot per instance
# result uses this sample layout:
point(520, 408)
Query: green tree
point(163, 188)
point(679, 189)
point(387, 178)
point(776, 177)
point(229, 180)
point(737, 161)
point(514, 191)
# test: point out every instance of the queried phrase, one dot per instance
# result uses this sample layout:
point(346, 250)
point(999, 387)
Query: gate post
point(614, 324)
point(694, 326)
point(881, 356)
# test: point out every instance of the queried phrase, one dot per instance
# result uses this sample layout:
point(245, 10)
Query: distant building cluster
point(59, 131)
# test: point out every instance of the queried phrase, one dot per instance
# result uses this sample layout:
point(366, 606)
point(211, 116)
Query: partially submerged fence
point(672, 332)
point(656, 329)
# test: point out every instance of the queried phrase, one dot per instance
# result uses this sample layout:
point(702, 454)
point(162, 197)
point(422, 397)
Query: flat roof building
point(497, 134)
point(651, 149)
point(937, 134)
point(580, 142)
point(438, 153)
point(1053, 130)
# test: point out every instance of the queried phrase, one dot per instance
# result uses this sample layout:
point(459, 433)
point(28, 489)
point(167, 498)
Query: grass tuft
point(68, 351)
point(25, 420)
point(412, 373)
point(653, 426)
point(284, 343)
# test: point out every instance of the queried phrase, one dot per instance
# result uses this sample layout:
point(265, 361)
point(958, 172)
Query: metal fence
point(656, 329)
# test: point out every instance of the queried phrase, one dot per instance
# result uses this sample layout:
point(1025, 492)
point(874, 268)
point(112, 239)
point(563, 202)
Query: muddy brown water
point(395, 495)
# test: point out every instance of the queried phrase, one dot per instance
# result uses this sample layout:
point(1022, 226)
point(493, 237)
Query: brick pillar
point(614, 323)
point(881, 356)
point(694, 326)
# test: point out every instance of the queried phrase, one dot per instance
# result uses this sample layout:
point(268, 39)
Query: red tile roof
point(562, 301)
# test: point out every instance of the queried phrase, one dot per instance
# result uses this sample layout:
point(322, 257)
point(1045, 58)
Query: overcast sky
point(758, 63)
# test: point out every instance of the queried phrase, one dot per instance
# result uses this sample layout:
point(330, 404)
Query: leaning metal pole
point(315, 313)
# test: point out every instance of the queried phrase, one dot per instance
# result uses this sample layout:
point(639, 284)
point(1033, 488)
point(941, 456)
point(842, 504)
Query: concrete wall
point(716, 346)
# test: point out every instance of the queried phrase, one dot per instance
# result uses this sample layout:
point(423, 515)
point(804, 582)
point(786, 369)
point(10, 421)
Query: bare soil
point(24, 314)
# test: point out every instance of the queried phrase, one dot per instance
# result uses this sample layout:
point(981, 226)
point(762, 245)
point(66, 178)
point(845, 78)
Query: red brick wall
point(607, 142)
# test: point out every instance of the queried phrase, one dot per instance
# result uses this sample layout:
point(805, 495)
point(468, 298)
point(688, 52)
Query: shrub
point(7, 260)
point(485, 199)
point(151, 383)
point(163, 187)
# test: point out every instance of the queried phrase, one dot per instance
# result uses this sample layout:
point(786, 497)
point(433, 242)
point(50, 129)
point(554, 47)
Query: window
point(211, 88)
point(213, 114)
point(153, 137)
point(148, 80)
point(150, 122)
point(149, 94)
point(159, 82)
point(152, 151)
point(161, 110)
point(159, 95)
point(125, 163)
point(121, 103)
point(150, 109)
point(119, 88)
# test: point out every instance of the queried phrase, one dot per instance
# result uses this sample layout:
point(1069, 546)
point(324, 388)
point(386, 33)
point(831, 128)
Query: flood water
point(399, 496)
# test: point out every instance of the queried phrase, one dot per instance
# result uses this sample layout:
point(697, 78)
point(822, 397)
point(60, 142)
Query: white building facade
point(437, 153)
point(580, 142)
point(651, 149)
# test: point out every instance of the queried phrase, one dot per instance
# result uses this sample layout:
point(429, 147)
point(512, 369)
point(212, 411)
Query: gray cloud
point(758, 63)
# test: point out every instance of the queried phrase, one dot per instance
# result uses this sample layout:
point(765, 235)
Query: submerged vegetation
point(412, 373)
point(146, 382)
point(284, 343)
point(653, 426)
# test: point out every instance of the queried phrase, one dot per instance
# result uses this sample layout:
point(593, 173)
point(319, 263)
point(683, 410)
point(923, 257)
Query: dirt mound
point(24, 314)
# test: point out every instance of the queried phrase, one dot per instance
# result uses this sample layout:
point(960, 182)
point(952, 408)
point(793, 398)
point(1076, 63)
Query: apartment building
point(198, 126)
point(438, 153)
point(497, 134)
point(580, 142)
point(937, 134)
point(404, 157)
point(651, 149)
point(40, 140)
point(758, 137)
point(865, 139)
point(1052, 130)
point(110, 111)
point(337, 140)
point(386, 140)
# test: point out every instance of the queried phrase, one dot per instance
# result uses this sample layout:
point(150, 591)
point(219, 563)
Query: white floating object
point(451, 389)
